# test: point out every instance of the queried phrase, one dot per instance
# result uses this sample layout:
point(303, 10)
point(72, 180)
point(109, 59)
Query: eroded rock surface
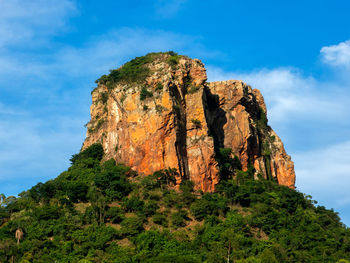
point(171, 117)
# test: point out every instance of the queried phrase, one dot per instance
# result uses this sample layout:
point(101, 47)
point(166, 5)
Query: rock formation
point(158, 112)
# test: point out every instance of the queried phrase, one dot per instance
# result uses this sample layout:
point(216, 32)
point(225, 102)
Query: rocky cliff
point(158, 112)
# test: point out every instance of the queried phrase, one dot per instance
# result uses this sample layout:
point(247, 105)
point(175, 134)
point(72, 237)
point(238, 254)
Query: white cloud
point(114, 48)
point(24, 20)
point(101, 53)
point(313, 112)
point(40, 140)
point(325, 173)
point(337, 55)
point(37, 148)
point(290, 96)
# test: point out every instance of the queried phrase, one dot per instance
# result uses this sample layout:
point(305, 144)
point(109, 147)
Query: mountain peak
point(158, 111)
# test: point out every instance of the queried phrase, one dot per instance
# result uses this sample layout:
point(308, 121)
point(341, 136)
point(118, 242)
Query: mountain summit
point(198, 149)
point(158, 111)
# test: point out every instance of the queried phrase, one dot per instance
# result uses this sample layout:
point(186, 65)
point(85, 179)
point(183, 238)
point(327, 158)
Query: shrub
point(200, 209)
point(159, 87)
point(171, 198)
point(95, 151)
point(193, 89)
point(166, 177)
point(160, 219)
point(172, 61)
point(209, 204)
point(76, 191)
point(104, 97)
point(131, 226)
point(187, 196)
point(227, 164)
point(133, 204)
point(134, 71)
point(261, 122)
point(172, 53)
point(150, 182)
point(196, 123)
point(155, 196)
point(150, 208)
point(211, 220)
point(178, 219)
point(115, 215)
point(268, 256)
point(112, 181)
point(46, 212)
point(144, 94)
point(99, 124)
point(159, 108)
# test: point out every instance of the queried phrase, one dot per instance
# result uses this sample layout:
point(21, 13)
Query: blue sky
point(296, 52)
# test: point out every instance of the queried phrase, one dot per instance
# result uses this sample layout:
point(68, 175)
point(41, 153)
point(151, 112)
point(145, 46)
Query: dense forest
point(104, 212)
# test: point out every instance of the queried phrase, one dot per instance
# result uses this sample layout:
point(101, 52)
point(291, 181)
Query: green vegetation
point(196, 123)
point(173, 60)
point(159, 108)
point(159, 87)
point(98, 125)
point(193, 89)
point(104, 97)
point(145, 93)
point(261, 122)
point(265, 141)
point(122, 99)
point(136, 70)
point(227, 165)
point(104, 212)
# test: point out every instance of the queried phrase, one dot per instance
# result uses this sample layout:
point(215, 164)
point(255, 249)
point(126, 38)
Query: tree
point(19, 235)
point(94, 151)
point(98, 203)
point(166, 177)
point(268, 257)
point(2, 199)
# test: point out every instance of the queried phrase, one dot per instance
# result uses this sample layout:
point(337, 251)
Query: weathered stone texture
point(178, 126)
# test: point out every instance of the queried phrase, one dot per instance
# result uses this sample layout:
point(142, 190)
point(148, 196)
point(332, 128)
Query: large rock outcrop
point(158, 112)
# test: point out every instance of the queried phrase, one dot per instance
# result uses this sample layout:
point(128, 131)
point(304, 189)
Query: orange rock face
point(180, 121)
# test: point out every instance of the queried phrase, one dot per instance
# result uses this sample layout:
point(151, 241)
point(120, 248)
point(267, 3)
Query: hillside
point(173, 169)
point(103, 212)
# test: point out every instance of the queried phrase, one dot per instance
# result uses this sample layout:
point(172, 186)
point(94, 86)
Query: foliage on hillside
point(97, 212)
point(136, 70)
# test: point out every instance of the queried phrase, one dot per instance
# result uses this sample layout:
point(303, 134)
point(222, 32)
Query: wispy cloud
point(53, 95)
point(168, 8)
point(116, 47)
point(291, 96)
point(34, 149)
point(100, 53)
point(311, 109)
point(31, 20)
point(325, 171)
point(337, 55)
